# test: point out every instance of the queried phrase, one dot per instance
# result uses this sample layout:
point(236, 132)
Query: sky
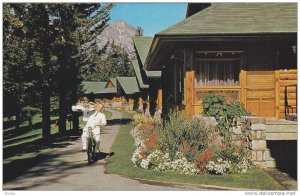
point(151, 17)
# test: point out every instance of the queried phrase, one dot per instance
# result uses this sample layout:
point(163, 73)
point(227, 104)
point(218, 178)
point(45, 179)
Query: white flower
point(145, 164)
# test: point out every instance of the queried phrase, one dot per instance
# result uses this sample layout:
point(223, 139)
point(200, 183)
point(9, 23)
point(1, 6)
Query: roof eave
point(164, 37)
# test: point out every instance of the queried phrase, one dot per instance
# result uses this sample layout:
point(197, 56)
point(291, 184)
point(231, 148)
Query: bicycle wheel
point(90, 151)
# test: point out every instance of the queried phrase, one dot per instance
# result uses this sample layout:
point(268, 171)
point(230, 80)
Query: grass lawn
point(120, 163)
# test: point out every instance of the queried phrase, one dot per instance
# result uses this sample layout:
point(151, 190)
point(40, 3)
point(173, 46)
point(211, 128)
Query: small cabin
point(244, 51)
point(149, 82)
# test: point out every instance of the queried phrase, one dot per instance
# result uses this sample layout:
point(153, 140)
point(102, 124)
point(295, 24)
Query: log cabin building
point(149, 82)
point(116, 92)
point(245, 51)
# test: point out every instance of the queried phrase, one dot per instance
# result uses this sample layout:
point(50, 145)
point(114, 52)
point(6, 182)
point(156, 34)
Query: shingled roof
point(93, 87)
point(138, 74)
point(128, 84)
point(108, 91)
point(142, 45)
point(239, 18)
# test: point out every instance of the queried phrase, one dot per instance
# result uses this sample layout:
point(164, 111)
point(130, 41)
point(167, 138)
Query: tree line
point(48, 50)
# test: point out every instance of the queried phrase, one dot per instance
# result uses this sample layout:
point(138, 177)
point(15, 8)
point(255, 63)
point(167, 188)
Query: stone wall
point(251, 132)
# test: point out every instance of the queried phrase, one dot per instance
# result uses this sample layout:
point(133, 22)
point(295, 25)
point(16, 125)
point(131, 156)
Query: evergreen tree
point(41, 37)
point(113, 63)
point(77, 24)
point(43, 50)
point(19, 86)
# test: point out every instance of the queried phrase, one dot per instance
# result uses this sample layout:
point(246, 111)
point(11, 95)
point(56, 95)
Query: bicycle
point(91, 143)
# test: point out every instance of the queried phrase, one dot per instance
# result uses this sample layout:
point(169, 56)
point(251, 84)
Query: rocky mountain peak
point(120, 33)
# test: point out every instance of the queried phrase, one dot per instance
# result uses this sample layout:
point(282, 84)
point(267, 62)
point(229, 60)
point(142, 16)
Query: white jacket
point(95, 121)
point(87, 112)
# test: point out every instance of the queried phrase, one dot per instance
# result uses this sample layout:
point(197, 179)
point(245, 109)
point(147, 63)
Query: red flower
point(144, 154)
point(203, 159)
point(146, 126)
point(151, 141)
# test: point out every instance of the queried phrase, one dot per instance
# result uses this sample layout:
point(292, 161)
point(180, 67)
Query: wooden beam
point(189, 88)
point(220, 51)
point(277, 93)
point(188, 58)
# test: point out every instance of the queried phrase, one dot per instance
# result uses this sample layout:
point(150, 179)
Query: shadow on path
point(32, 154)
point(121, 121)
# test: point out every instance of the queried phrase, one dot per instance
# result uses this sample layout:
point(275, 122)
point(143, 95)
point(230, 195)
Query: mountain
point(120, 32)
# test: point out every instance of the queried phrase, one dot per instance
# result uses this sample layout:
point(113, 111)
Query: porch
point(269, 94)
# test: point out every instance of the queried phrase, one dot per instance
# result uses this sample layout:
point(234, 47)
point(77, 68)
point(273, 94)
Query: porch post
point(277, 94)
point(243, 83)
point(189, 76)
point(189, 88)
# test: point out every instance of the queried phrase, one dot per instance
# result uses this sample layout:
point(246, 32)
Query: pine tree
point(19, 86)
point(77, 24)
point(114, 62)
point(43, 51)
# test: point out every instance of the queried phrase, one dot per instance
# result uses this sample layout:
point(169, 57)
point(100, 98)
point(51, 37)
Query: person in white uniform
point(93, 123)
point(87, 108)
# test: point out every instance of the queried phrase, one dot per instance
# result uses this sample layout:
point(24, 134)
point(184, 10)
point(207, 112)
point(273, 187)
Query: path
point(68, 170)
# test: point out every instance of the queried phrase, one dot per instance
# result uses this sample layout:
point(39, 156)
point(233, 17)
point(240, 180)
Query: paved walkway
point(68, 170)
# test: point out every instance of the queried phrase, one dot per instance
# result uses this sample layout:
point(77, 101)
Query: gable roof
point(138, 74)
point(113, 81)
point(93, 87)
point(239, 18)
point(128, 84)
point(142, 45)
point(108, 91)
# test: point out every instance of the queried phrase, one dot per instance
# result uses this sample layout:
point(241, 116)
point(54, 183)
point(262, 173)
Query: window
point(217, 68)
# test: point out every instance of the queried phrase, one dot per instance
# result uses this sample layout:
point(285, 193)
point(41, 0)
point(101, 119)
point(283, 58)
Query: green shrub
point(226, 114)
point(182, 134)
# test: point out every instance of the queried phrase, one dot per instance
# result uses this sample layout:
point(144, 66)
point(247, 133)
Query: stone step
point(270, 161)
point(281, 130)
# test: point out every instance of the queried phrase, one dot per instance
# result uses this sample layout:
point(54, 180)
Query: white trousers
point(85, 137)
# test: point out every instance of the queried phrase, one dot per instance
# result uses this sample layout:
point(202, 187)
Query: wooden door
point(261, 96)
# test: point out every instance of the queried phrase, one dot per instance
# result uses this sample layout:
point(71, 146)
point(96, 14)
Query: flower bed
point(185, 146)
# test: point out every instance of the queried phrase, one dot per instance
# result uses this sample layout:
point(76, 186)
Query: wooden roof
point(128, 84)
point(239, 18)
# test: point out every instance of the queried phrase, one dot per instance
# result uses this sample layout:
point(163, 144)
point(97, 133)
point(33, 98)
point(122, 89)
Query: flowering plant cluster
point(139, 119)
point(159, 161)
point(219, 166)
point(183, 146)
point(203, 159)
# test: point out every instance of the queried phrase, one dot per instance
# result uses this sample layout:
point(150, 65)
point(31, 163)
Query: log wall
point(286, 91)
